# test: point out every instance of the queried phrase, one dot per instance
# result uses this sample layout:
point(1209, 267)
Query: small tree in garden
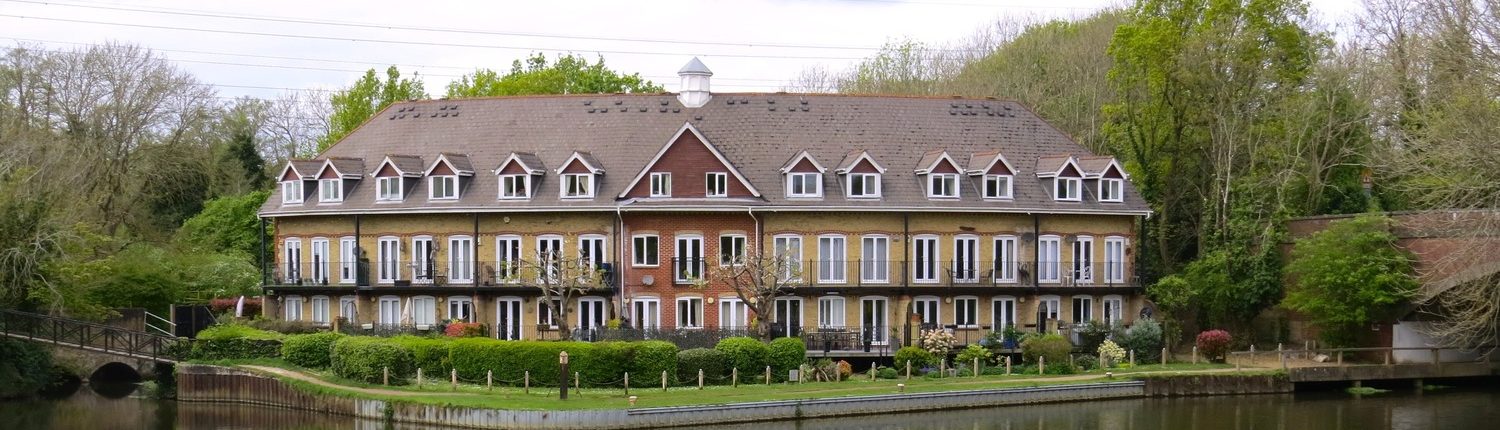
point(937, 342)
point(1111, 353)
point(756, 280)
point(560, 280)
point(1214, 344)
point(971, 352)
point(1348, 276)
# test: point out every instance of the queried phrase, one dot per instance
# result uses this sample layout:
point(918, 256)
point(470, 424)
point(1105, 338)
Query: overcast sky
point(751, 45)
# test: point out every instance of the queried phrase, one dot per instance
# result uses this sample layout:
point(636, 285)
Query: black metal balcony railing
point(430, 272)
point(961, 273)
point(688, 270)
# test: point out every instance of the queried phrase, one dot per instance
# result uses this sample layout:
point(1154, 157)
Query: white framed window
point(645, 250)
point(687, 262)
point(1114, 259)
point(390, 310)
point(874, 259)
point(787, 318)
point(689, 312)
point(1111, 190)
point(1083, 260)
point(716, 184)
point(1083, 309)
point(443, 187)
point(423, 260)
point(804, 185)
point(966, 311)
point(388, 189)
point(577, 186)
point(508, 259)
point(291, 259)
point(549, 254)
point(320, 263)
point(293, 308)
point(593, 251)
point(925, 264)
point(291, 192)
point(1047, 308)
point(997, 186)
point(591, 314)
point(348, 260)
point(731, 250)
point(1003, 312)
point(544, 313)
point(1005, 259)
point(942, 185)
point(733, 314)
point(461, 259)
point(349, 309)
point(423, 310)
point(514, 187)
point(928, 313)
point(832, 260)
point(1114, 310)
point(788, 249)
point(1067, 189)
point(1049, 251)
point(508, 318)
point(388, 259)
point(461, 308)
point(873, 324)
point(330, 190)
point(646, 313)
point(863, 185)
point(661, 184)
point(831, 312)
point(320, 309)
point(965, 259)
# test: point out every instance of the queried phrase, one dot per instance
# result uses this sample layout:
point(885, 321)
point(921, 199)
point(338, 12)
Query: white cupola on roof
point(694, 91)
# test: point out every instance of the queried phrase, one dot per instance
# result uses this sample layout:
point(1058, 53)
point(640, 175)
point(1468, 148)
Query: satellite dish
point(648, 280)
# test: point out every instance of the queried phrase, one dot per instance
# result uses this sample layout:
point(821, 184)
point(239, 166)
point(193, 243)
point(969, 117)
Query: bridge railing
point(92, 336)
point(1336, 355)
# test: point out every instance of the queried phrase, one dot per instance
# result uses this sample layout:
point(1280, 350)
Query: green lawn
point(439, 391)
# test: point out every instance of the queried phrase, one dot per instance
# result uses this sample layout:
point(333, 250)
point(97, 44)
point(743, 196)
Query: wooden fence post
point(527, 388)
point(1164, 356)
point(489, 380)
point(385, 376)
point(908, 370)
point(1195, 354)
point(872, 371)
point(419, 378)
point(576, 384)
point(768, 375)
point(453, 378)
point(976, 367)
point(627, 383)
point(1007, 365)
point(700, 379)
point(1041, 365)
point(663, 381)
point(1132, 358)
point(734, 377)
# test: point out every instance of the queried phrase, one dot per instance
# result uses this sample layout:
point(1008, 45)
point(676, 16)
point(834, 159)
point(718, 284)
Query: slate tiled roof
point(307, 168)
point(1093, 166)
point(348, 166)
point(407, 164)
point(757, 133)
point(459, 162)
point(1049, 164)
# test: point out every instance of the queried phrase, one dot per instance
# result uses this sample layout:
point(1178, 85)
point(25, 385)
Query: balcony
point(442, 273)
point(961, 273)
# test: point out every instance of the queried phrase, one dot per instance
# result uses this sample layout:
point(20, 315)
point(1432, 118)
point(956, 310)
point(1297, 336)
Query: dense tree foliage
point(1349, 276)
point(569, 74)
point(354, 105)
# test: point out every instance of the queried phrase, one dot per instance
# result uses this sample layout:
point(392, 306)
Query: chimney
point(694, 91)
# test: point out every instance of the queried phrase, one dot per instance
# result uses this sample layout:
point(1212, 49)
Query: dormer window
point(864, 185)
point(942, 185)
point(1111, 190)
point(330, 190)
point(515, 186)
point(997, 186)
point(291, 192)
point(804, 185)
point(388, 189)
point(1067, 189)
point(577, 186)
point(442, 187)
point(716, 184)
point(661, 184)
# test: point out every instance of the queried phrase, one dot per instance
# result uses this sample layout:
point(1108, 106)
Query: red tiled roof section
point(756, 133)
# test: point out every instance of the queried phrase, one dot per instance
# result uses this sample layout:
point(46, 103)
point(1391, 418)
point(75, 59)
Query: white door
point(1050, 252)
point(348, 260)
point(320, 260)
point(1004, 313)
point(874, 264)
point(390, 311)
point(788, 322)
point(965, 265)
point(348, 310)
point(423, 260)
point(873, 325)
point(832, 260)
point(389, 258)
point(789, 251)
point(591, 251)
point(590, 313)
point(1083, 260)
point(1005, 259)
point(1114, 260)
point(733, 314)
point(549, 254)
point(925, 266)
point(461, 259)
point(292, 256)
point(687, 259)
point(927, 310)
point(647, 313)
point(507, 259)
point(508, 318)
point(831, 312)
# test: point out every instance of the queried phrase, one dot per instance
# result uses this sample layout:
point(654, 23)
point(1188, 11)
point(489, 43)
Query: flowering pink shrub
point(463, 329)
point(1214, 344)
point(223, 306)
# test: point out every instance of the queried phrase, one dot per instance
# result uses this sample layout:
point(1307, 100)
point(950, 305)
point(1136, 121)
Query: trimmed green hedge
point(651, 358)
point(1052, 346)
point(310, 350)
point(364, 359)
point(747, 354)
point(432, 355)
point(234, 342)
point(598, 364)
point(713, 362)
point(918, 357)
point(786, 354)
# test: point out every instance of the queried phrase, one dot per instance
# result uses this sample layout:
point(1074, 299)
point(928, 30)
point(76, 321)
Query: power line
point(407, 42)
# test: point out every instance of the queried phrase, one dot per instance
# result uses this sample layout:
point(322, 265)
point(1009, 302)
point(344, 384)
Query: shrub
point(24, 368)
point(713, 362)
point(432, 355)
point(971, 352)
point(918, 357)
point(1052, 346)
point(236, 331)
point(309, 350)
point(1145, 338)
point(787, 353)
point(937, 342)
point(845, 370)
point(283, 326)
point(365, 358)
point(747, 354)
point(463, 329)
point(601, 363)
point(236, 342)
point(651, 358)
point(226, 306)
point(1214, 344)
point(887, 373)
point(1093, 334)
point(1112, 354)
point(1086, 362)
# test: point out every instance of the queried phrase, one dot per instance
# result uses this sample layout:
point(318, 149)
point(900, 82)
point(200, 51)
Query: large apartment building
point(969, 214)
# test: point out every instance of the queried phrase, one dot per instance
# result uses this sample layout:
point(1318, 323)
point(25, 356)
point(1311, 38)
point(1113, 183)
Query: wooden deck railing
point(91, 336)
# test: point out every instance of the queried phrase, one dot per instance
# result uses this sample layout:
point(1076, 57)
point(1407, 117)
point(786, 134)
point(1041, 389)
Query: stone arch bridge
point(96, 351)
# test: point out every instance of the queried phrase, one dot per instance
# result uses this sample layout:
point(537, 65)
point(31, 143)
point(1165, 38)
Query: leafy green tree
point(354, 105)
point(228, 225)
point(570, 74)
point(1348, 276)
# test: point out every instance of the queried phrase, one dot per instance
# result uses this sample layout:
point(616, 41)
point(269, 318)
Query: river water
point(1456, 408)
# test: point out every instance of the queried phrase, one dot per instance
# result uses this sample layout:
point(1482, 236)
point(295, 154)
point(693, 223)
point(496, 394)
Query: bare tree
point(561, 281)
point(757, 280)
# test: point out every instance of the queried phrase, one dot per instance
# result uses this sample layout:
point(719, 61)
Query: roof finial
point(694, 91)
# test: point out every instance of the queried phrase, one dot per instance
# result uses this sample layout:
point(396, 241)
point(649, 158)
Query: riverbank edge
point(218, 384)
